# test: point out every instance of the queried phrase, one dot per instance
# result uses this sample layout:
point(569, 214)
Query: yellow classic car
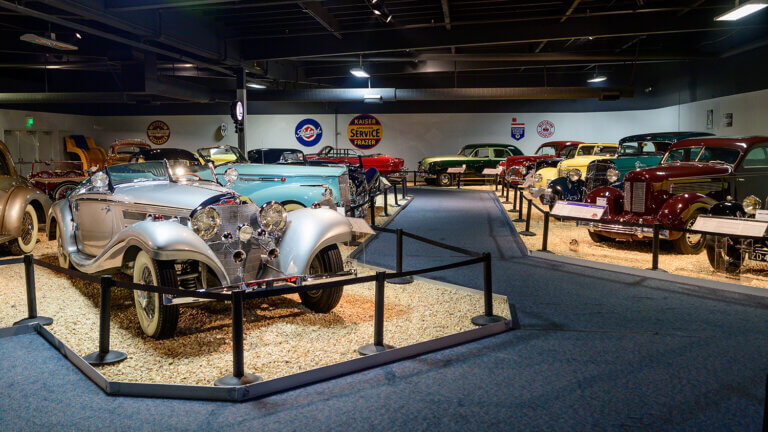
point(575, 163)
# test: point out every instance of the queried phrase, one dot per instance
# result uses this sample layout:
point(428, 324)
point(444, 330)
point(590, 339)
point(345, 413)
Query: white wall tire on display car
point(157, 320)
point(326, 261)
point(26, 242)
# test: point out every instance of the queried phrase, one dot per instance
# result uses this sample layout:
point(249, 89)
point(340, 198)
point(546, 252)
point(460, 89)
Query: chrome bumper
point(620, 229)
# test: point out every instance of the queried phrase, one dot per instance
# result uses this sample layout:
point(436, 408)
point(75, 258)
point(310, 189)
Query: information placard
point(578, 210)
point(492, 171)
point(456, 170)
point(761, 215)
point(732, 226)
point(360, 226)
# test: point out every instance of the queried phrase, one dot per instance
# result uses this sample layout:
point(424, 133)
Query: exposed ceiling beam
point(446, 14)
point(570, 10)
point(321, 14)
point(691, 7)
point(399, 39)
point(134, 5)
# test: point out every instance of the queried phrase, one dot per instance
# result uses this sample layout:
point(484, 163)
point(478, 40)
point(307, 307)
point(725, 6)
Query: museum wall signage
point(158, 132)
point(518, 129)
point(308, 132)
point(364, 131)
point(545, 129)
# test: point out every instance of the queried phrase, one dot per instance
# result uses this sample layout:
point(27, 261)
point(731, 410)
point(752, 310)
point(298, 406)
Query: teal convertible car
point(297, 186)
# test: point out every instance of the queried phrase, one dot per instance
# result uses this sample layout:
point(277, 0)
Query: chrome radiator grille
point(344, 190)
point(225, 243)
point(596, 174)
point(634, 197)
point(562, 172)
point(698, 187)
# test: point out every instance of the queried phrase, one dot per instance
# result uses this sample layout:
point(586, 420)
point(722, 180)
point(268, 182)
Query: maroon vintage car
point(694, 174)
point(387, 165)
point(519, 166)
point(57, 178)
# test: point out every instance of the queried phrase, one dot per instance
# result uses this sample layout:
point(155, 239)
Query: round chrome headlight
point(538, 178)
point(231, 175)
point(273, 217)
point(206, 222)
point(100, 179)
point(522, 170)
point(751, 204)
point(612, 175)
point(574, 174)
point(245, 232)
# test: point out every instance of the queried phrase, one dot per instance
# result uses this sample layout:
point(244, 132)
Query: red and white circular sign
point(158, 132)
point(545, 129)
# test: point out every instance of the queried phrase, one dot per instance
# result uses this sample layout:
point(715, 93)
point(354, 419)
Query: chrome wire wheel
point(27, 228)
point(315, 267)
point(146, 299)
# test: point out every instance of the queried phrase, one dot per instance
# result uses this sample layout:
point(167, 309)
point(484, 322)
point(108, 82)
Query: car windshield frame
point(466, 151)
point(701, 150)
point(568, 152)
point(239, 158)
point(552, 146)
point(300, 160)
point(172, 171)
point(637, 147)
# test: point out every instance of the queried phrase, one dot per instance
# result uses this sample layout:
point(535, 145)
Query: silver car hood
point(168, 194)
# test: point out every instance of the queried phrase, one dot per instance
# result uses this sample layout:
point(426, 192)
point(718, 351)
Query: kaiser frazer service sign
point(518, 130)
point(364, 131)
point(308, 132)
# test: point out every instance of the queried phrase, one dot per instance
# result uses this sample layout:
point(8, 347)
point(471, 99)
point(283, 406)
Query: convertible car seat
point(91, 155)
point(372, 177)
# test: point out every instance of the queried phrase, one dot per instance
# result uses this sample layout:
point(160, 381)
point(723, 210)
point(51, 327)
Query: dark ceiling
point(151, 51)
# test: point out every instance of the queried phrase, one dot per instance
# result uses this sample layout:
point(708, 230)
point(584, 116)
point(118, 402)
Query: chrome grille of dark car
point(698, 187)
point(346, 199)
point(562, 172)
point(634, 197)
point(597, 174)
point(232, 216)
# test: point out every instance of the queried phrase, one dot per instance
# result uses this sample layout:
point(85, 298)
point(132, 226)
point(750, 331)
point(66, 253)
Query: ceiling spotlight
point(359, 72)
point(255, 85)
point(389, 18)
point(742, 10)
point(597, 78)
point(77, 35)
point(372, 98)
point(377, 12)
point(50, 43)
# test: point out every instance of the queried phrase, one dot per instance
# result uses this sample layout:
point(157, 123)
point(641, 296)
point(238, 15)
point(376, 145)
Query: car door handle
point(105, 209)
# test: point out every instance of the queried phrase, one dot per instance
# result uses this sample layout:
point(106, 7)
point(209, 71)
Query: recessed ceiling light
point(256, 85)
point(742, 10)
point(377, 12)
point(359, 72)
point(597, 78)
point(77, 35)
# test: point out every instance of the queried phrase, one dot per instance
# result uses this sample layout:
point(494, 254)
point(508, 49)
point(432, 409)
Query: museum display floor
point(599, 350)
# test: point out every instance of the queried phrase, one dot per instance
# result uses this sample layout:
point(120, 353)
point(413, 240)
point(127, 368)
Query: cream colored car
point(578, 159)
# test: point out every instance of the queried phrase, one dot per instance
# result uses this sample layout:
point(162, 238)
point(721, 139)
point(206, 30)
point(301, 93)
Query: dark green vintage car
point(475, 157)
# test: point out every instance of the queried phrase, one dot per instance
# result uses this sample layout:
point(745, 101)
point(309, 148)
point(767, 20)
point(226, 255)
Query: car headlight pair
point(522, 170)
point(751, 204)
point(612, 175)
point(272, 217)
point(574, 174)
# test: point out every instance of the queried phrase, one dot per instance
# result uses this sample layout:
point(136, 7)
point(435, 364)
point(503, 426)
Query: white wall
point(413, 136)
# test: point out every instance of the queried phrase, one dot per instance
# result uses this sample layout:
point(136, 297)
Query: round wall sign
point(308, 132)
point(236, 111)
point(545, 129)
point(364, 131)
point(158, 132)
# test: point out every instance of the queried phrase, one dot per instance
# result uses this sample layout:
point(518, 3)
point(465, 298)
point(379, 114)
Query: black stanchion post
point(378, 344)
point(514, 203)
point(394, 191)
point(458, 181)
point(505, 191)
point(372, 203)
point(238, 377)
point(385, 213)
point(496, 186)
point(32, 318)
point(527, 231)
point(655, 246)
point(488, 317)
point(545, 236)
point(405, 187)
point(414, 179)
point(399, 260)
point(519, 207)
point(104, 355)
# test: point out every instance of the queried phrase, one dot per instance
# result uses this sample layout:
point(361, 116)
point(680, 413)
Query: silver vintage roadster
point(174, 225)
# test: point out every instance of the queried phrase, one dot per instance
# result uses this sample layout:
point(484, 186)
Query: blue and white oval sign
point(308, 132)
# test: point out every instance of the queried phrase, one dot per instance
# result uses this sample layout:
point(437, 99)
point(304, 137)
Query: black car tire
point(430, 181)
point(445, 179)
point(729, 262)
point(328, 260)
point(683, 245)
point(165, 318)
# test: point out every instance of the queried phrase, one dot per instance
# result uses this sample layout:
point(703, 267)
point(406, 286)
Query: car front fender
point(308, 231)
point(614, 198)
point(263, 192)
point(18, 199)
point(728, 208)
point(677, 209)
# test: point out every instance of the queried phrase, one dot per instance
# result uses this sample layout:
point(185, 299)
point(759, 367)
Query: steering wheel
point(191, 174)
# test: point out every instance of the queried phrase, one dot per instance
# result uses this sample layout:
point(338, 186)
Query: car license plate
point(758, 256)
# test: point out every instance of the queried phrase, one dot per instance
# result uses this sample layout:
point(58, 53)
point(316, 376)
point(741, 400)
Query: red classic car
point(521, 165)
point(694, 174)
point(387, 165)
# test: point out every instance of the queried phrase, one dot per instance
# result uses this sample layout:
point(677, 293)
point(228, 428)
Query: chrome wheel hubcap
point(692, 239)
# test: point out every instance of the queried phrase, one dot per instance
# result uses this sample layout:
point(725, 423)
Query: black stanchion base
point(483, 320)
point(527, 233)
point(396, 205)
point(383, 215)
point(97, 358)
point(401, 280)
point(233, 381)
point(658, 270)
point(37, 320)
point(545, 251)
point(373, 349)
point(507, 202)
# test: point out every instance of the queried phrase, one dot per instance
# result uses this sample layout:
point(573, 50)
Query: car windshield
point(277, 156)
point(642, 148)
point(180, 171)
point(568, 152)
point(466, 151)
point(547, 150)
point(682, 154)
point(127, 150)
point(605, 151)
point(222, 155)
